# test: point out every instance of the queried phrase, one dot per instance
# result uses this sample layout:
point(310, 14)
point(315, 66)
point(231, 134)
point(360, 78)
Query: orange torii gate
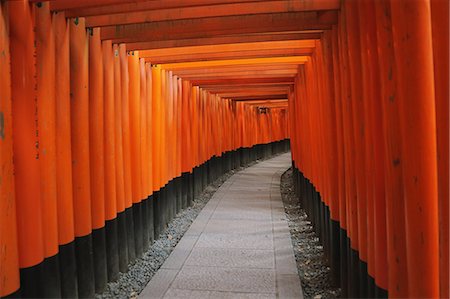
point(115, 114)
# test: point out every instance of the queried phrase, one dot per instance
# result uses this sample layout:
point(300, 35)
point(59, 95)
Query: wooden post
point(97, 157)
point(411, 28)
point(79, 90)
point(9, 269)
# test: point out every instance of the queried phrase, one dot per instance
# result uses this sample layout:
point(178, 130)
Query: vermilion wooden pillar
point(66, 233)
point(359, 132)
point(411, 26)
point(440, 31)
point(79, 89)
point(45, 77)
point(149, 85)
point(149, 150)
point(156, 125)
point(143, 128)
point(124, 79)
point(9, 270)
point(97, 157)
point(378, 266)
point(120, 167)
point(135, 147)
point(26, 154)
point(109, 150)
point(368, 95)
point(395, 214)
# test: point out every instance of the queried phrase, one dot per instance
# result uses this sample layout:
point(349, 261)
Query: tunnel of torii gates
point(114, 114)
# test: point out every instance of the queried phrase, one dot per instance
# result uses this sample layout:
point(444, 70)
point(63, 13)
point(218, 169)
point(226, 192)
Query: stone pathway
point(239, 246)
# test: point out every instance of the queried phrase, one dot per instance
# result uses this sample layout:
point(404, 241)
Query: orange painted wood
point(185, 127)
point(249, 80)
point(238, 70)
point(135, 126)
point(333, 158)
point(134, 6)
point(350, 183)
point(149, 84)
point(124, 79)
point(143, 129)
point(63, 131)
point(411, 26)
point(440, 34)
point(217, 26)
point(230, 47)
point(236, 62)
point(235, 87)
point(369, 94)
point(96, 130)
point(79, 82)
point(220, 40)
point(244, 76)
point(395, 215)
point(156, 126)
point(172, 125)
point(68, 4)
point(375, 155)
point(219, 10)
point(119, 156)
point(339, 129)
point(169, 138)
point(26, 154)
point(359, 125)
point(9, 255)
point(45, 77)
point(163, 140)
point(230, 55)
point(109, 131)
point(179, 125)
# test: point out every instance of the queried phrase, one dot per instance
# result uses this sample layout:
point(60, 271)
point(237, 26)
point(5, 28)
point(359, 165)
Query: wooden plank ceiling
point(244, 50)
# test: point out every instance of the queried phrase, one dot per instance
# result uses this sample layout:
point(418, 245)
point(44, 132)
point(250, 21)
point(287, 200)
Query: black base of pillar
point(99, 253)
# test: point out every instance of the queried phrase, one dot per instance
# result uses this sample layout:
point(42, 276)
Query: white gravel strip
point(314, 274)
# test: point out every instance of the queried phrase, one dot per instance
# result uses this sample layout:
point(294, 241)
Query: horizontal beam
point(229, 55)
point(241, 77)
point(278, 45)
point(58, 5)
point(248, 80)
point(234, 62)
point(278, 102)
point(202, 41)
point(273, 97)
point(258, 94)
point(220, 26)
point(237, 87)
point(235, 68)
point(132, 6)
point(281, 106)
point(255, 90)
point(218, 10)
point(267, 102)
point(241, 74)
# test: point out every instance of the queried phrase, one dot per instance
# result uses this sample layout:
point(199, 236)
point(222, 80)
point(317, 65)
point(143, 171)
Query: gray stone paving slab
point(239, 246)
point(232, 257)
point(159, 284)
point(180, 253)
point(246, 241)
point(239, 226)
point(236, 213)
point(287, 286)
point(226, 279)
point(196, 294)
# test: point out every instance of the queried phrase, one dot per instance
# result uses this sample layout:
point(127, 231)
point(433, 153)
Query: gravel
point(131, 283)
point(314, 274)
